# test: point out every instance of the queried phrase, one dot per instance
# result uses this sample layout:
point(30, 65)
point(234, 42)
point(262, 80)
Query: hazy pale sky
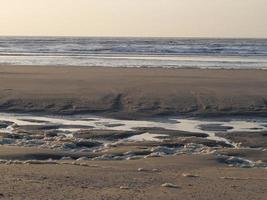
point(174, 18)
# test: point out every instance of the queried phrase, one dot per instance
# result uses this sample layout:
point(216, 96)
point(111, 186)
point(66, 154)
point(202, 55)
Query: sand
point(135, 179)
point(132, 92)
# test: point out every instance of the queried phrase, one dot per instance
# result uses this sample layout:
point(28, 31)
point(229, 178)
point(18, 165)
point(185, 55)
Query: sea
point(135, 52)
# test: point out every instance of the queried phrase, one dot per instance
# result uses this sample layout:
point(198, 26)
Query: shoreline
point(136, 67)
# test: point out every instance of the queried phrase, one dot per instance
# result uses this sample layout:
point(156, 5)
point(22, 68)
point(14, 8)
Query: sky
point(137, 18)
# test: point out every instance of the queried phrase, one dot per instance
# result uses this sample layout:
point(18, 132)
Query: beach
point(193, 177)
point(132, 92)
point(132, 133)
point(133, 100)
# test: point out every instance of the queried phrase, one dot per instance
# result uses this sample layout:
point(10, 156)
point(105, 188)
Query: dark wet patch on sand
point(250, 154)
point(176, 142)
point(5, 124)
point(34, 120)
point(247, 139)
point(170, 133)
point(11, 135)
point(214, 127)
point(106, 134)
point(20, 153)
point(245, 158)
point(113, 125)
point(51, 127)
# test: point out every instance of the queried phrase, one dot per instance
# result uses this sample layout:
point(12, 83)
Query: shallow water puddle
point(171, 123)
point(146, 137)
point(86, 133)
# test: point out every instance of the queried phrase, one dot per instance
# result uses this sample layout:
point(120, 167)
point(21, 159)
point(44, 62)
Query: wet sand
point(132, 92)
point(125, 180)
point(247, 139)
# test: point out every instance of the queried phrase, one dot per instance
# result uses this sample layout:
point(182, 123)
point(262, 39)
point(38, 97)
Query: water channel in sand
point(205, 125)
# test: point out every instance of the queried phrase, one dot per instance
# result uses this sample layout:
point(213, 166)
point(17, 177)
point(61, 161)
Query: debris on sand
point(82, 159)
point(234, 161)
point(242, 179)
point(164, 150)
point(124, 188)
point(84, 165)
point(80, 164)
point(147, 170)
point(233, 178)
point(13, 162)
point(66, 158)
point(141, 169)
point(190, 175)
point(134, 157)
point(32, 162)
point(39, 162)
point(170, 185)
point(96, 166)
point(155, 155)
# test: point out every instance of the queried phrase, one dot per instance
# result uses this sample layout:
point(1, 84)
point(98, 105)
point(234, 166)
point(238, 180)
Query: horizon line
point(159, 37)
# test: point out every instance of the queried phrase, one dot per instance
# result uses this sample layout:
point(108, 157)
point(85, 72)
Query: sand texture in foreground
point(132, 92)
point(96, 180)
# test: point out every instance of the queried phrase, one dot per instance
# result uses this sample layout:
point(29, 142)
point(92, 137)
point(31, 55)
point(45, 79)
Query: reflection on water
point(172, 123)
point(74, 134)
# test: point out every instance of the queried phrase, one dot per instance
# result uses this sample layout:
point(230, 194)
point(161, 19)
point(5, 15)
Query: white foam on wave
point(135, 52)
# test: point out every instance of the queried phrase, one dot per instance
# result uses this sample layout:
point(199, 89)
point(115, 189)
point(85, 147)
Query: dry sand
point(132, 92)
point(135, 179)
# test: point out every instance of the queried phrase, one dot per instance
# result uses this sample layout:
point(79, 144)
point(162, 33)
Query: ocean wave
point(92, 51)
